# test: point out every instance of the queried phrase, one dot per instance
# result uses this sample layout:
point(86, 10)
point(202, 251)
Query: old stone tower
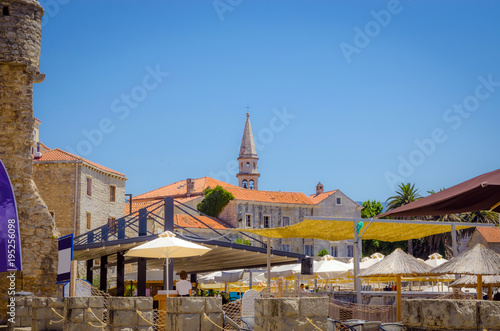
point(248, 175)
point(20, 37)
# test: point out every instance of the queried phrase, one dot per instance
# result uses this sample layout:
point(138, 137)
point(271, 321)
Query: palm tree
point(405, 194)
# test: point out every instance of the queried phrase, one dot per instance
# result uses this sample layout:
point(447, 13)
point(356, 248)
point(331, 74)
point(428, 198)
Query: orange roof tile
point(200, 184)
point(188, 221)
point(317, 198)
point(57, 154)
point(491, 235)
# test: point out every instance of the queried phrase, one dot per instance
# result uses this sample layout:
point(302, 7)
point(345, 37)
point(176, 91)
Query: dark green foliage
point(215, 201)
point(371, 209)
point(322, 252)
point(242, 241)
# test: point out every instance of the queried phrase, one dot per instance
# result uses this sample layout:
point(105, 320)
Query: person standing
point(183, 286)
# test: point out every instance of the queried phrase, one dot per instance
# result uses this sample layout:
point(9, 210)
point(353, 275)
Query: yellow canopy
point(336, 230)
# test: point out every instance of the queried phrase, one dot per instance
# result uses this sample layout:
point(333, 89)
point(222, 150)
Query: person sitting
point(183, 286)
point(302, 288)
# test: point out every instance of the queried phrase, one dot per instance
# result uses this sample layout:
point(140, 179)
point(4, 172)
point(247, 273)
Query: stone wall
point(122, 314)
point(187, 313)
point(291, 314)
point(448, 314)
point(56, 184)
point(20, 36)
point(99, 204)
point(23, 311)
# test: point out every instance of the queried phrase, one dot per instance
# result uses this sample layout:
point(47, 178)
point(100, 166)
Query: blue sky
point(359, 95)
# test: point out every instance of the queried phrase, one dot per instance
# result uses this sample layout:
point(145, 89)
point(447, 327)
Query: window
point(89, 221)
point(334, 251)
point(308, 249)
point(267, 221)
point(6, 11)
point(251, 185)
point(350, 252)
point(285, 220)
point(241, 165)
point(244, 184)
point(112, 226)
point(89, 186)
point(339, 201)
point(254, 165)
point(285, 248)
point(112, 193)
point(248, 220)
point(248, 164)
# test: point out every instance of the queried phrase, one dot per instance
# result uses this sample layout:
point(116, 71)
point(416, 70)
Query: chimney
point(319, 188)
point(38, 154)
point(189, 186)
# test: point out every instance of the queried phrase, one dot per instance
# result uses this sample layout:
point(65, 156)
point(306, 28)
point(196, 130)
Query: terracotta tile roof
point(200, 184)
point(491, 235)
point(317, 198)
point(57, 154)
point(188, 221)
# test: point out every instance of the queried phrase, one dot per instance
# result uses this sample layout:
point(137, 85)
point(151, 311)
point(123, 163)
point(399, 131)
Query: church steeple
point(248, 176)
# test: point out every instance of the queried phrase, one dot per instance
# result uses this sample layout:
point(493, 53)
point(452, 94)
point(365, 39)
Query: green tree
point(405, 194)
point(215, 200)
point(370, 210)
point(242, 241)
point(322, 253)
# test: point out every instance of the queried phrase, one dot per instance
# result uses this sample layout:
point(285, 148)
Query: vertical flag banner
point(65, 245)
point(10, 238)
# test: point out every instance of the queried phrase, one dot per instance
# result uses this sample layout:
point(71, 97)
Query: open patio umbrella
point(328, 268)
point(397, 264)
point(471, 281)
point(167, 246)
point(435, 260)
point(477, 261)
point(479, 193)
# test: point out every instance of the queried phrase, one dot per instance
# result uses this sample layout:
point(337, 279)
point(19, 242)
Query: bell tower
point(248, 175)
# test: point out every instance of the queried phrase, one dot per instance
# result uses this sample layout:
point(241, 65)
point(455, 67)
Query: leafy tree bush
point(215, 200)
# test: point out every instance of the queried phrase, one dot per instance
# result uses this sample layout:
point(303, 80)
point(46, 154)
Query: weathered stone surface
point(122, 318)
point(20, 38)
point(97, 302)
point(39, 302)
point(213, 323)
point(144, 303)
point(185, 305)
point(314, 307)
point(183, 322)
point(121, 303)
point(56, 302)
point(454, 314)
point(290, 307)
point(411, 312)
point(213, 305)
point(488, 315)
point(147, 318)
point(76, 315)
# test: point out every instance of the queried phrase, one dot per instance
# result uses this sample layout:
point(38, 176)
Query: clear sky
point(360, 95)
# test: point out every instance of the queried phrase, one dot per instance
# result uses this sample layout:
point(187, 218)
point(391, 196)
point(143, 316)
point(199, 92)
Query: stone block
point(119, 328)
point(39, 302)
point(119, 303)
point(20, 301)
point(449, 314)
point(411, 312)
point(22, 311)
point(96, 302)
point(144, 303)
point(213, 305)
point(56, 302)
point(185, 305)
point(319, 322)
point(147, 316)
point(177, 322)
point(261, 307)
point(488, 315)
point(213, 322)
point(95, 315)
point(314, 307)
point(122, 318)
point(144, 328)
point(289, 307)
point(261, 323)
point(76, 315)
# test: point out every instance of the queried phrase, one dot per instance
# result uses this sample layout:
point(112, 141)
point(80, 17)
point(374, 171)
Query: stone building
point(489, 237)
point(80, 194)
point(254, 208)
point(20, 37)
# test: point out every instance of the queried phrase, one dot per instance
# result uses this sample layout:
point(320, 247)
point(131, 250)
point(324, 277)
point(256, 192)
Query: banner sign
point(65, 257)
point(10, 238)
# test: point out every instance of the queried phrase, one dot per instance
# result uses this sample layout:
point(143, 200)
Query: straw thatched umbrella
point(471, 281)
point(398, 264)
point(477, 261)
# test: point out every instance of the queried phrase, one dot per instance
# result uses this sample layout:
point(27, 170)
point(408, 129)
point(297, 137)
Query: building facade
point(81, 195)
